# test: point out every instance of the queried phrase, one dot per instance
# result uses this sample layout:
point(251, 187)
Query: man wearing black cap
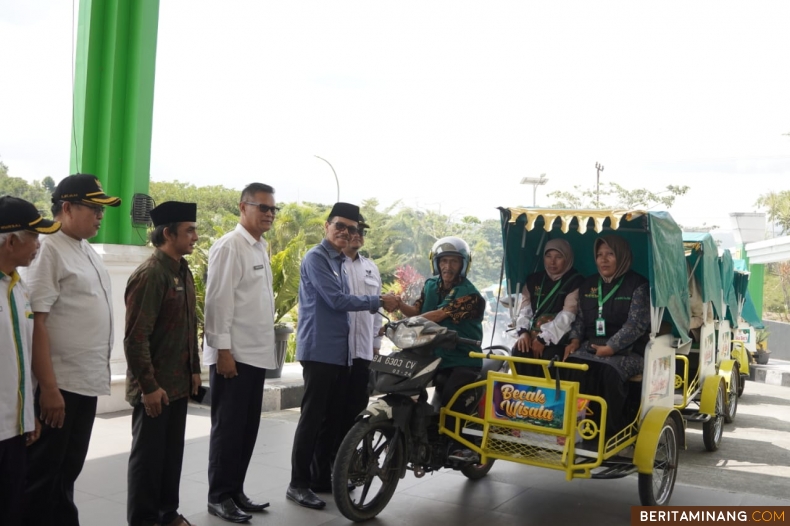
point(161, 350)
point(71, 298)
point(322, 347)
point(20, 225)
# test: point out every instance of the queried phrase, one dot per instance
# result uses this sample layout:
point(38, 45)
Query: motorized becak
point(545, 421)
point(707, 366)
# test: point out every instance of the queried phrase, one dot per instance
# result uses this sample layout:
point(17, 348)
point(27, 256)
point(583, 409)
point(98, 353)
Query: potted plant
point(285, 283)
point(762, 354)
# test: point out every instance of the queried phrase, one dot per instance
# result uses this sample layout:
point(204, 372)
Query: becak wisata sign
point(540, 406)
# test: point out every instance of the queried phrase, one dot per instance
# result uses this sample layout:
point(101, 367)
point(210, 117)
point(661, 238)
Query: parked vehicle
point(709, 354)
point(544, 421)
point(400, 431)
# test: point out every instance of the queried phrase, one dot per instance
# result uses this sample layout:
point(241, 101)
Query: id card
point(600, 327)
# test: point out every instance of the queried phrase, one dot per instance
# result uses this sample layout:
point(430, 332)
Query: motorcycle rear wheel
point(372, 458)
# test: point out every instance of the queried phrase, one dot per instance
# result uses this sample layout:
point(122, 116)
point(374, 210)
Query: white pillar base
point(121, 261)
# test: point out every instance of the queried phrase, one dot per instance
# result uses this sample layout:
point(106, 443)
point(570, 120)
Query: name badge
point(257, 267)
point(179, 289)
point(600, 327)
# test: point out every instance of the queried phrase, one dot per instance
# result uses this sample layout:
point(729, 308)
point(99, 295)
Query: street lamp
point(599, 169)
point(337, 181)
point(535, 182)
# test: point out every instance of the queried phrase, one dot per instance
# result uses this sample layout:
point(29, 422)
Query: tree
point(615, 196)
point(704, 227)
point(413, 234)
point(293, 219)
point(296, 228)
point(34, 192)
point(217, 206)
point(778, 208)
point(399, 240)
point(384, 239)
point(48, 183)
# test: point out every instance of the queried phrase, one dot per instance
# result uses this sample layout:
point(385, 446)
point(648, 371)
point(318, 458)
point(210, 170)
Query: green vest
point(472, 329)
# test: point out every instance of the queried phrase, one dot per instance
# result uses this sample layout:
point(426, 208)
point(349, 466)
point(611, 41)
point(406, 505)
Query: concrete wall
point(778, 339)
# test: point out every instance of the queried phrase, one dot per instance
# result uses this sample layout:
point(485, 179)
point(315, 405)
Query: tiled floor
point(510, 494)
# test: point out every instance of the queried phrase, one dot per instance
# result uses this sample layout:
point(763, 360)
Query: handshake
point(390, 302)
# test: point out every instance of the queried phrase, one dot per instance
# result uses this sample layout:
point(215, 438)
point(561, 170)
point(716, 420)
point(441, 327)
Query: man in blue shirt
point(322, 348)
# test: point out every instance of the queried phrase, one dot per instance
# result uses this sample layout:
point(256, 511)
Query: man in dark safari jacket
point(163, 365)
point(452, 301)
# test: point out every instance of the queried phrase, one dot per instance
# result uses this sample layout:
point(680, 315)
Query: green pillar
point(756, 281)
point(114, 104)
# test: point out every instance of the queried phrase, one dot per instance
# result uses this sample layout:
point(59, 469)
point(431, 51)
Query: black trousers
point(55, 461)
point(357, 394)
point(448, 382)
point(235, 418)
point(154, 473)
point(316, 437)
point(12, 479)
point(604, 380)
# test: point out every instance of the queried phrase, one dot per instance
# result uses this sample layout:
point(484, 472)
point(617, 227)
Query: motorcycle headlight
point(406, 337)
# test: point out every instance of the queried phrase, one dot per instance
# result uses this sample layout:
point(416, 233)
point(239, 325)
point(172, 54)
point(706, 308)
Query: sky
point(439, 105)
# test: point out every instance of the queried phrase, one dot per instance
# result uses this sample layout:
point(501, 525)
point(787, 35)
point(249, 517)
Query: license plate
point(392, 364)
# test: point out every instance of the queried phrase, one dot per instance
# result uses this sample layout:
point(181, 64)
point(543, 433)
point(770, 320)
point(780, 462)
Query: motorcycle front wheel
point(370, 460)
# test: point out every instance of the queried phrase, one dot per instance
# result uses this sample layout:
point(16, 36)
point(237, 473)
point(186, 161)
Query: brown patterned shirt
point(470, 307)
point(160, 342)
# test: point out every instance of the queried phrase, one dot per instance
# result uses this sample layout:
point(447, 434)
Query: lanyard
point(546, 297)
point(611, 293)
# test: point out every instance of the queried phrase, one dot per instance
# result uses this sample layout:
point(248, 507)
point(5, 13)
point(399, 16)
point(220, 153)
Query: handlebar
point(469, 341)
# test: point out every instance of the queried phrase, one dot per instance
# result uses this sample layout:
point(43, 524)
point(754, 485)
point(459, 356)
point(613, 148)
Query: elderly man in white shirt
point(71, 297)
point(239, 347)
point(20, 225)
point(363, 336)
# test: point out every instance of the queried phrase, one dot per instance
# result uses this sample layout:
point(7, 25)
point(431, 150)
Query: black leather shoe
point(244, 503)
point(304, 497)
point(227, 510)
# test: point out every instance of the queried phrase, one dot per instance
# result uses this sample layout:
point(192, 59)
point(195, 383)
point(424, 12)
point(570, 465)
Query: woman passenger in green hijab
point(550, 299)
point(611, 330)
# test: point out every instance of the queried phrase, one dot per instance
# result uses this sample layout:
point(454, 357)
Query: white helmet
point(450, 246)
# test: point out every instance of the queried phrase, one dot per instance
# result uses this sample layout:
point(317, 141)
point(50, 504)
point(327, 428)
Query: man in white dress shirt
point(239, 347)
point(71, 297)
point(20, 225)
point(363, 336)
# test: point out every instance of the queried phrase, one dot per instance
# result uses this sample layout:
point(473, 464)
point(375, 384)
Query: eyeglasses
point(263, 208)
point(342, 227)
point(98, 211)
